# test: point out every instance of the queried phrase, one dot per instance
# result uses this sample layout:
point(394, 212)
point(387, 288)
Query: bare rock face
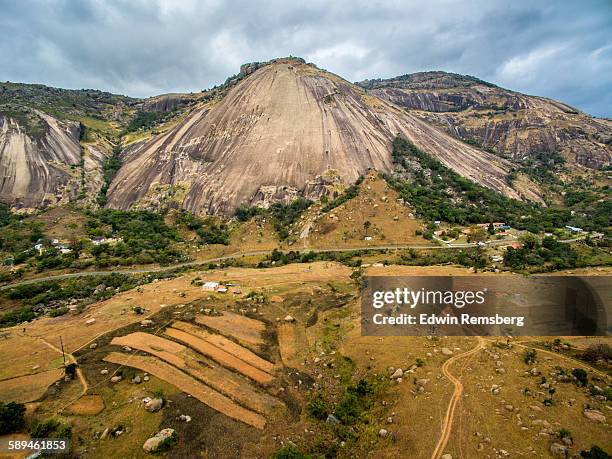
point(38, 165)
point(515, 125)
point(280, 127)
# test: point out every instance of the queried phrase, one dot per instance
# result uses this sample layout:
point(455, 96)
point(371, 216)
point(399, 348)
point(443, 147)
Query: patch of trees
point(110, 167)
point(146, 237)
point(438, 193)
point(41, 296)
point(549, 252)
point(146, 120)
point(210, 230)
point(11, 417)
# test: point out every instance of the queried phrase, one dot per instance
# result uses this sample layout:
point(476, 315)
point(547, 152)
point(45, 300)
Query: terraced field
point(208, 366)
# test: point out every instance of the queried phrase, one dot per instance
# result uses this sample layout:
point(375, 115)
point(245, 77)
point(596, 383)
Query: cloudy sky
point(556, 48)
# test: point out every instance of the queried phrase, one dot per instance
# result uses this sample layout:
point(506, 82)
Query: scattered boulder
point(446, 456)
point(332, 420)
point(397, 374)
point(446, 351)
point(495, 389)
point(146, 378)
point(594, 415)
point(116, 378)
point(153, 405)
point(383, 432)
point(146, 323)
point(185, 418)
point(104, 371)
point(558, 450)
point(136, 380)
point(153, 443)
point(289, 318)
point(93, 345)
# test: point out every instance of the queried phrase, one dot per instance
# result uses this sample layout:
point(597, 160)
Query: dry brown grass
point(376, 203)
point(87, 405)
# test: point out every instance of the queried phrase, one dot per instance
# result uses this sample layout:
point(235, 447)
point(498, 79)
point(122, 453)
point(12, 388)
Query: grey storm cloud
point(554, 48)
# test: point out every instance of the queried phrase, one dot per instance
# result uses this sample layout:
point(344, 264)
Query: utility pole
point(63, 353)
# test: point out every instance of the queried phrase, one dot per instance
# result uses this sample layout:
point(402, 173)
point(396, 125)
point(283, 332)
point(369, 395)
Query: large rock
point(153, 443)
point(305, 122)
point(558, 450)
point(595, 415)
point(155, 404)
point(397, 374)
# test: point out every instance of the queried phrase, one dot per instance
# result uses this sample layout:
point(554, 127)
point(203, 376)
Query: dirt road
point(257, 253)
point(447, 425)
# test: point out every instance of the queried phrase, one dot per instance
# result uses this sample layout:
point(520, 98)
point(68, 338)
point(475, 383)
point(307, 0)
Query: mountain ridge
point(209, 152)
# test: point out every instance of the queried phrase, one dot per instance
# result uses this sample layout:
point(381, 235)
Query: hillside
point(514, 125)
point(285, 129)
point(55, 143)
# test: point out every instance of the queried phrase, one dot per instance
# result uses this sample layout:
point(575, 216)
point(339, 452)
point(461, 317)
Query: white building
point(210, 286)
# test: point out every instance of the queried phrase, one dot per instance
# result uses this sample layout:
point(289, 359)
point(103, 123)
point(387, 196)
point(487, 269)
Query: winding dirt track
point(447, 425)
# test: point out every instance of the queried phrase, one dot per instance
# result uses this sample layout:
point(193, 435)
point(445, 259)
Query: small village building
point(210, 286)
point(574, 229)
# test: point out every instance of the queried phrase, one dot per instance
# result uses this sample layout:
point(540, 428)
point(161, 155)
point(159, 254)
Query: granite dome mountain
point(275, 131)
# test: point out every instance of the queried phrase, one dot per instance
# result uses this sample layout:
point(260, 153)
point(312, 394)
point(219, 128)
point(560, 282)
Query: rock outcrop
point(279, 127)
point(38, 166)
point(515, 125)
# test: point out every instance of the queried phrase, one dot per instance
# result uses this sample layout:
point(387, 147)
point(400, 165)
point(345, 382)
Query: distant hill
point(514, 125)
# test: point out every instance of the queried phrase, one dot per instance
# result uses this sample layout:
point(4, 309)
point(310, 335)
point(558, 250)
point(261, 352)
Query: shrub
point(11, 417)
point(317, 407)
point(44, 429)
point(529, 357)
point(581, 376)
point(290, 452)
point(595, 453)
point(70, 370)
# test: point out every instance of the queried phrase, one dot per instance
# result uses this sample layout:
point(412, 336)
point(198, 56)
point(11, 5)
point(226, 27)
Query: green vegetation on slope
point(438, 193)
point(109, 170)
point(281, 215)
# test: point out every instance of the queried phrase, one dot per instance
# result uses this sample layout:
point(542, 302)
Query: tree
point(581, 376)
point(477, 234)
point(11, 417)
point(70, 370)
point(491, 229)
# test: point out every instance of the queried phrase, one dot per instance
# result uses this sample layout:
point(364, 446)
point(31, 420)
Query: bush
point(581, 376)
point(317, 407)
point(597, 352)
point(44, 429)
point(11, 417)
point(70, 370)
point(595, 453)
point(529, 357)
point(290, 452)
